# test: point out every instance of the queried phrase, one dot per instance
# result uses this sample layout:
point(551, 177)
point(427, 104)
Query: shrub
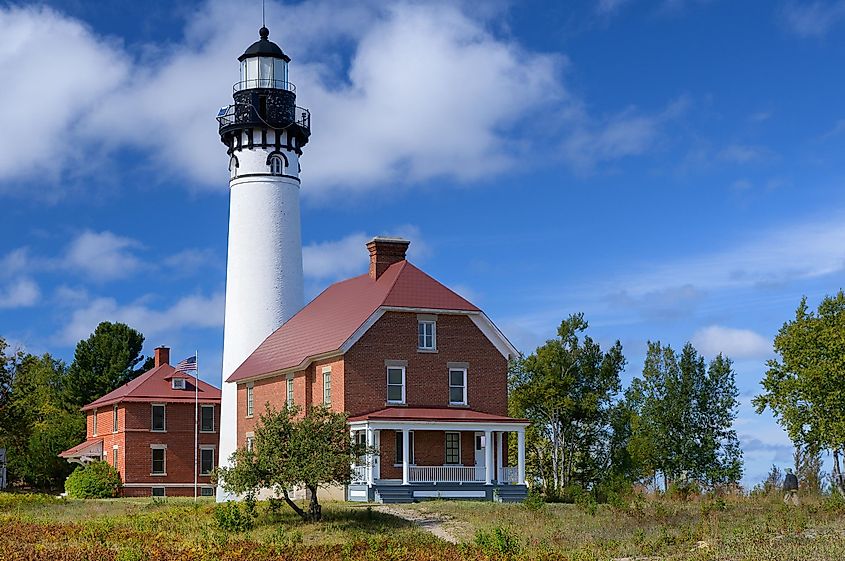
point(232, 518)
point(97, 480)
point(498, 542)
point(684, 490)
point(534, 501)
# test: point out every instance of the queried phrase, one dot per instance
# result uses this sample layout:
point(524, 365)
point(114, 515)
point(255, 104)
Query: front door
point(479, 456)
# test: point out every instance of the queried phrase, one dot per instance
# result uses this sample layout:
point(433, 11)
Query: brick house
point(145, 429)
point(421, 372)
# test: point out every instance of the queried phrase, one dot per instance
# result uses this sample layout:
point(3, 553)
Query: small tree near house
point(313, 451)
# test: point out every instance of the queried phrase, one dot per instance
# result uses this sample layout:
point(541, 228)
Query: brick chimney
point(162, 355)
point(384, 252)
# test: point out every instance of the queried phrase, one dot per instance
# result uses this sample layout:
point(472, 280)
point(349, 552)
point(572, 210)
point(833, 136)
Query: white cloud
point(606, 7)
point(744, 153)
point(20, 293)
point(813, 19)
point(189, 312)
point(102, 255)
point(14, 262)
point(734, 343)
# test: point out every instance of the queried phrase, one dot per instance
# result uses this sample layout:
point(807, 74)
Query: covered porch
point(422, 453)
point(88, 451)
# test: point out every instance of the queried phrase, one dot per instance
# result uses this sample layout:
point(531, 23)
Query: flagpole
point(196, 415)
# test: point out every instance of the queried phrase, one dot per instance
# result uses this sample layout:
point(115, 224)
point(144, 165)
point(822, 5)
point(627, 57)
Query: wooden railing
point(359, 474)
point(445, 474)
point(509, 474)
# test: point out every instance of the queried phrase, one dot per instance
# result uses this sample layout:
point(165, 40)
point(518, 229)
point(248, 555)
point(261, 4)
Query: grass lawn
point(37, 527)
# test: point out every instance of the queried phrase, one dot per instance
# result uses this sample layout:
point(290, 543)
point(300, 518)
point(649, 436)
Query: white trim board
point(450, 494)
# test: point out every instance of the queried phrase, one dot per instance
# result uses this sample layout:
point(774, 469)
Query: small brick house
point(146, 429)
point(421, 372)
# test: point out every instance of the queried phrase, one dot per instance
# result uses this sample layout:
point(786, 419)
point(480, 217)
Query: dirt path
point(429, 522)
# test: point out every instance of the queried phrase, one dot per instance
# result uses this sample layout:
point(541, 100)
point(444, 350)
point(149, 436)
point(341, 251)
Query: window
point(114, 457)
point(94, 423)
point(399, 443)
point(158, 467)
point(158, 418)
point(277, 165)
point(206, 460)
point(206, 418)
point(249, 442)
point(327, 386)
point(207, 492)
point(457, 386)
point(427, 336)
point(178, 383)
point(453, 448)
point(158, 491)
point(114, 418)
point(396, 384)
point(233, 167)
point(290, 391)
point(249, 400)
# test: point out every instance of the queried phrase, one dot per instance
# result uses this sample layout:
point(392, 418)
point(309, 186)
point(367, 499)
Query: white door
point(479, 456)
point(377, 455)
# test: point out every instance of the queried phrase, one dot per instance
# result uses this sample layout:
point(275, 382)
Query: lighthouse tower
point(264, 132)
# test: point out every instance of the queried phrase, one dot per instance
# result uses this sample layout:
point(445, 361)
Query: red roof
point(434, 414)
point(155, 385)
point(92, 447)
point(329, 320)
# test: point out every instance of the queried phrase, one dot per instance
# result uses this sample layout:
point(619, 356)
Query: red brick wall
point(394, 337)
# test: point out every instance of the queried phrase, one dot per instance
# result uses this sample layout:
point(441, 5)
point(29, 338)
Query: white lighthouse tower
point(264, 132)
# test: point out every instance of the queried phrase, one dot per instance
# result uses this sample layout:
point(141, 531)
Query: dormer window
point(277, 165)
point(178, 383)
point(427, 335)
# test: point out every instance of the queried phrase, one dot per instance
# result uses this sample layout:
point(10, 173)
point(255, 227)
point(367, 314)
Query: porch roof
point(436, 415)
point(89, 448)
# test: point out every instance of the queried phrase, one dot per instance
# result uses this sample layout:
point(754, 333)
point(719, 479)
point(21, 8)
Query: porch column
point(499, 460)
point(488, 457)
point(520, 462)
point(370, 457)
point(405, 456)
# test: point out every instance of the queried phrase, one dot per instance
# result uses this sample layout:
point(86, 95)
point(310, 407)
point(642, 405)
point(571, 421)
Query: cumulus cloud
point(744, 153)
point(195, 311)
point(102, 255)
point(734, 343)
point(20, 293)
point(813, 19)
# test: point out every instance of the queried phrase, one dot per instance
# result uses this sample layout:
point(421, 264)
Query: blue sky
point(672, 169)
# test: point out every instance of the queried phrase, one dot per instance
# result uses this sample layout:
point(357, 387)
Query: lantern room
point(264, 65)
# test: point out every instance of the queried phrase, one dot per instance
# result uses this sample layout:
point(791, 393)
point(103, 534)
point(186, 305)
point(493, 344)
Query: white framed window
point(233, 167)
point(114, 454)
point(277, 165)
point(400, 442)
point(114, 418)
point(327, 386)
point(250, 399)
point(427, 335)
point(289, 392)
point(453, 448)
point(158, 423)
point(457, 386)
point(206, 460)
point(178, 383)
point(396, 384)
point(94, 423)
point(159, 460)
point(206, 418)
point(158, 491)
point(250, 441)
point(207, 492)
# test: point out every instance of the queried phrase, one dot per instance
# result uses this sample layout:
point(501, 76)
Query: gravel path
point(429, 522)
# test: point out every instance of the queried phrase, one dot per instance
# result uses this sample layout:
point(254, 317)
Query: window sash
point(206, 460)
point(250, 441)
point(457, 386)
point(94, 423)
point(250, 397)
point(159, 422)
point(327, 388)
point(114, 457)
point(396, 384)
point(453, 448)
point(158, 466)
point(114, 418)
point(290, 391)
point(426, 339)
point(399, 442)
point(207, 418)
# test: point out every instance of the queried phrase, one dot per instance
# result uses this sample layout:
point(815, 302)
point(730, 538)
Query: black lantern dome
point(264, 47)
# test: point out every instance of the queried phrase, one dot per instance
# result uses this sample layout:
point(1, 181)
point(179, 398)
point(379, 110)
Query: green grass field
point(38, 527)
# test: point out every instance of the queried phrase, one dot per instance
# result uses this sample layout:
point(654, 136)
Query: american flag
point(187, 365)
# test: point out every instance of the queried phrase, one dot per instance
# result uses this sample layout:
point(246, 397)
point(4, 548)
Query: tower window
point(233, 167)
point(277, 165)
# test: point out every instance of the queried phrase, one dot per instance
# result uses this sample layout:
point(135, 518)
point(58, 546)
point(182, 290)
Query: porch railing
point(445, 474)
point(359, 474)
point(509, 474)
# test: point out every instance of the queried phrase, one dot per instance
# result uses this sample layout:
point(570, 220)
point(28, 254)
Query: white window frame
point(389, 368)
point(114, 455)
point(289, 395)
point(178, 383)
point(153, 491)
point(411, 447)
point(277, 165)
point(206, 449)
point(464, 386)
point(206, 491)
point(446, 449)
point(94, 424)
point(163, 448)
point(250, 400)
point(213, 423)
point(114, 426)
point(249, 441)
point(327, 385)
point(420, 326)
point(163, 417)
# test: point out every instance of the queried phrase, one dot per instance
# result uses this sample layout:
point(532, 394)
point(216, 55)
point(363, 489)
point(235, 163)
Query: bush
point(232, 518)
point(498, 542)
point(97, 480)
point(534, 501)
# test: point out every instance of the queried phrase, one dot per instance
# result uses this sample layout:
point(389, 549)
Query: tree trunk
point(838, 481)
point(315, 511)
point(302, 514)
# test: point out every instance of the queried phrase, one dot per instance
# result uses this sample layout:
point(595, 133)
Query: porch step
point(393, 494)
point(511, 493)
